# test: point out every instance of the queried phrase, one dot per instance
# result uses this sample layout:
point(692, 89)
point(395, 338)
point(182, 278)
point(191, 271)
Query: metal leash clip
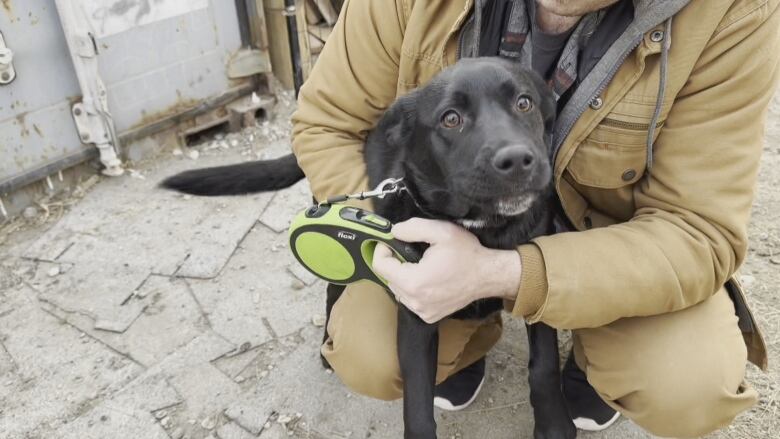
point(385, 187)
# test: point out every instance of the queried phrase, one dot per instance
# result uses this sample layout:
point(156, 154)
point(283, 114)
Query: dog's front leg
point(551, 416)
point(418, 352)
point(334, 292)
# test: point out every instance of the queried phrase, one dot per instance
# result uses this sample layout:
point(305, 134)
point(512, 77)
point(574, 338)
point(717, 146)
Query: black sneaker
point(588, 411)
point(460, 390)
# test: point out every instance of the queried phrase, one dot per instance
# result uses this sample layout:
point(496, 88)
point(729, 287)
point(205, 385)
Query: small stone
point(187, 197)
point(490, 400)
point(53, 271)
point(165, 422)
point(775, 260)
point(160, 414)
point(208, 423)
point(283, 419)
point(297, 284)
point(240, 379)
point(178, 433)
point(234, 143)
point(318, 320)
point(747, 280)
point(267, 425)
point(30, 212)
point(193, 154)
point(177, 152)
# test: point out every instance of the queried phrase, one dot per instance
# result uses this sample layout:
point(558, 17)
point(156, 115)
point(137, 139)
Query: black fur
point(265, 175)
point(458, 174)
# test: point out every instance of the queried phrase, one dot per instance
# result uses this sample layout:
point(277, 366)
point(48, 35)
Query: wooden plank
point(327, 10)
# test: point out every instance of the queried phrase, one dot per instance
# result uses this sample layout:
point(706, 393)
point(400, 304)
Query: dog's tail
point(244, 178)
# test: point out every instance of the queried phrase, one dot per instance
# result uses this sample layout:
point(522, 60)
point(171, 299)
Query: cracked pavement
point(143, 313)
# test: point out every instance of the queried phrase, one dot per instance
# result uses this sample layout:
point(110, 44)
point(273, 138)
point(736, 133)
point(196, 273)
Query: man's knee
point(679, 402)
point(678, 374)
point(362, 342)
point(366, 368)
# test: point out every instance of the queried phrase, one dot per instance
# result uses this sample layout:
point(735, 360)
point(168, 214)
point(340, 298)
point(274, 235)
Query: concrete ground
point(131, 312)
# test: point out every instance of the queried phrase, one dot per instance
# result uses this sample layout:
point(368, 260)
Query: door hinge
point(7, 71)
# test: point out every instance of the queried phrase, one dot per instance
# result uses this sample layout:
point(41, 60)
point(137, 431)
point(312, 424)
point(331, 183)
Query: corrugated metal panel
point(156, 58)
point(36, 126)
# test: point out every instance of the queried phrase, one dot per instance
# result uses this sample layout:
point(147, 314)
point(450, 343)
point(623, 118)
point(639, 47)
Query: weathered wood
point(313, 15)
point(327, 10)
point(279, 47)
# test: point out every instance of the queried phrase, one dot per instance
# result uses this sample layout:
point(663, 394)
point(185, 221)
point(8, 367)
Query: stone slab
point(170, 319)
point(100, 292)
point(123, 221)
point(285, 205)
point(255, 291)
point(60, 372)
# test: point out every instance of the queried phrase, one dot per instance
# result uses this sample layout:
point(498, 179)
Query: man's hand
point(454, 271)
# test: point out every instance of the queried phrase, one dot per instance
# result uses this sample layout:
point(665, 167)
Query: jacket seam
point(432, 59)
point(731, 21)
point(406, 10)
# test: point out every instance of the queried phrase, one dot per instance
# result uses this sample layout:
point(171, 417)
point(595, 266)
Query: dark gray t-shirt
point(547, 50)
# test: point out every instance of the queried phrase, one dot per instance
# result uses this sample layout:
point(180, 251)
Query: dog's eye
point(451, 119)
point(524, 103)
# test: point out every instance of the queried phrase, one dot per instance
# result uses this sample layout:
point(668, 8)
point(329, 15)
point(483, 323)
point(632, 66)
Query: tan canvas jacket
point(645, 243)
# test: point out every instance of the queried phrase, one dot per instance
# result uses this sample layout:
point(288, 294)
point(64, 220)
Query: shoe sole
point(588, 424)
point(445, 404)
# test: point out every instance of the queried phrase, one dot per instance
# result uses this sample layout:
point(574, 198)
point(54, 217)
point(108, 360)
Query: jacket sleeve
point(352, 83)
point(688, 234)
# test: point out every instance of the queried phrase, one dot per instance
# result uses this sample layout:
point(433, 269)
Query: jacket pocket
point(615, 153)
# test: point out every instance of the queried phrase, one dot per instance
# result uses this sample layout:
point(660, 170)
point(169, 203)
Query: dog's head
point(474, 139)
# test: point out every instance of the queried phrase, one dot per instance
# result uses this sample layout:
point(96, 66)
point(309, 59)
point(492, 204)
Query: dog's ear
point(398, 121)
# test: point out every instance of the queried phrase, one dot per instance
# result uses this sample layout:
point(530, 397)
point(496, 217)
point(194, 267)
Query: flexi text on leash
point(336, 242)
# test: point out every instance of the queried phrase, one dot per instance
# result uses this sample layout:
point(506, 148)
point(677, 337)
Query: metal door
point(155, 57)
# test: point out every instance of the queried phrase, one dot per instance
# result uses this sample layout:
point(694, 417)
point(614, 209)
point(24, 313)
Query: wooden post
point(278, 45)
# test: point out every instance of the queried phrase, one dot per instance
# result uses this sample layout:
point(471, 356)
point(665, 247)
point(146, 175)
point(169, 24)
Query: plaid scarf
point(517, 33)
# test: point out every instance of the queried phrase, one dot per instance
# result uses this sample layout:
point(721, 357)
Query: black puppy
point(472, 147)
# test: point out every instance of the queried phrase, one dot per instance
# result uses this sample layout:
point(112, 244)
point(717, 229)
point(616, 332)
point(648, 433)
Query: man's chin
point(574, 8)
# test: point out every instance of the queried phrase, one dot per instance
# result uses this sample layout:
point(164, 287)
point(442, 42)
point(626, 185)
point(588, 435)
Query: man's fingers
point(423, 230)
point(386, 264)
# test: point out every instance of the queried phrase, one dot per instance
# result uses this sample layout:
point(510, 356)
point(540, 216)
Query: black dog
point(472, 147)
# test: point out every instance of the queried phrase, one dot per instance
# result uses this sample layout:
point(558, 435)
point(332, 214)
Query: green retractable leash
point(336, 242)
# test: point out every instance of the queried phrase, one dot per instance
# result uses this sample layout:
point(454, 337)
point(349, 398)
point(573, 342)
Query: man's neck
point(552, 23)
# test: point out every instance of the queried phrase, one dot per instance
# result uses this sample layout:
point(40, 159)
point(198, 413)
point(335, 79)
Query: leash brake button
point(376, 221)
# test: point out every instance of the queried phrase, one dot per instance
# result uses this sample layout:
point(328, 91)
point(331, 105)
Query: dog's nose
point(513, 159)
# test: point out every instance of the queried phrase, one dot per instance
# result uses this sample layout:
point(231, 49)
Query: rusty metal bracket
point(7, 71)
point(92, 116)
